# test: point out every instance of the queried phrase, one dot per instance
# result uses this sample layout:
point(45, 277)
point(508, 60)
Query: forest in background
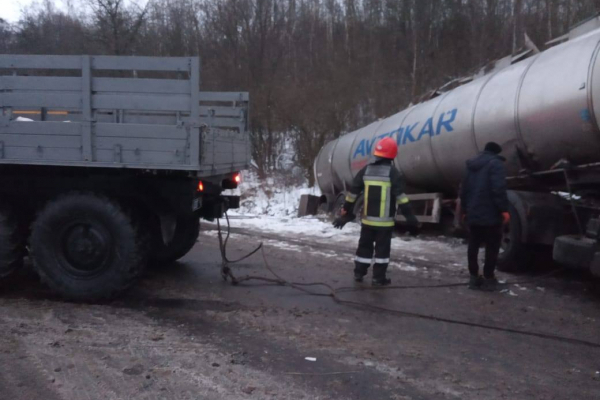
point(315, 69)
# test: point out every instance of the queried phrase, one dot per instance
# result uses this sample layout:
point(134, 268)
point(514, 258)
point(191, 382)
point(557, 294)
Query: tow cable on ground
point(333, 292)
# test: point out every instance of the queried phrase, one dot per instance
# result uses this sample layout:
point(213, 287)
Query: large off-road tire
point(186, 236)
point(514, 255)
point(12, 240)
point(86, 247)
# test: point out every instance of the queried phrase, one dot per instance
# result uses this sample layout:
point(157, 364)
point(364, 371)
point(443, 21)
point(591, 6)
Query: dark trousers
point(492, 237)
point(378, 240)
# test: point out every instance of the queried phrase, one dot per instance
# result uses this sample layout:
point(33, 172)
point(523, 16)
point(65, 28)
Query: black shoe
point(381, 282)
point(358, 277)
point(475, 282)
point(489, 284)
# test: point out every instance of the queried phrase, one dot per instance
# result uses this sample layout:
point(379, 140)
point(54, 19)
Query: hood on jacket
point(476, 163)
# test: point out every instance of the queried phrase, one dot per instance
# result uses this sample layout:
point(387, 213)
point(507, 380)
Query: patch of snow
point(285, 246)
point(509, 292)
point(273, 197)
point(323, 229)
point(23, 119)
point(271, 206)
point(403, 267)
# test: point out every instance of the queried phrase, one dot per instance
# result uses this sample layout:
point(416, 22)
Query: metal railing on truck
point(112, 111)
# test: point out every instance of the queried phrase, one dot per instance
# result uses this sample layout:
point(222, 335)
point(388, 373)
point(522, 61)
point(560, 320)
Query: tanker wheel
point(514, 255)
point(186, 235)
point(12, 240)
point(86, 247)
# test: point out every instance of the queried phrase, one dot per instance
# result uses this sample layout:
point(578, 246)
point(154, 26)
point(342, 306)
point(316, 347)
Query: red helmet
point(386, 148)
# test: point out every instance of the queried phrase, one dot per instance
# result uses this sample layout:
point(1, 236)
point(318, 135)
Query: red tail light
point(200, 186)
point(237, 178)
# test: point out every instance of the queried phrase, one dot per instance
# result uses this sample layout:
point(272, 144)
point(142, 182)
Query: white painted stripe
point(363, 260)
point(382, 261)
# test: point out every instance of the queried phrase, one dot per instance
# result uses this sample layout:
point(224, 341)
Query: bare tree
point(315, 69)
point(117, 26)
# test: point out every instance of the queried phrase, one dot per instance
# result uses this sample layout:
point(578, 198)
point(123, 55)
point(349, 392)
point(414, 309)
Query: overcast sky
point(10, 10)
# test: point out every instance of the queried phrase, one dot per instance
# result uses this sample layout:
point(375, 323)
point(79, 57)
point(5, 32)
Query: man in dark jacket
point(484, 200)
point(383, 189)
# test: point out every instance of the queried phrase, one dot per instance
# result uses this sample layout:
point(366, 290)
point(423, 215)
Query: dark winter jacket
point(483, 194)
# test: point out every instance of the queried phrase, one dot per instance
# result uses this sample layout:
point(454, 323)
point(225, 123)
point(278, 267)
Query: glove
point(339, 222)
point(413, 230)
point(506, 218)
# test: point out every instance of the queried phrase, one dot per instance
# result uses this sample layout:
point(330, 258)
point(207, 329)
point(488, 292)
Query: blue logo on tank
point(410, 133)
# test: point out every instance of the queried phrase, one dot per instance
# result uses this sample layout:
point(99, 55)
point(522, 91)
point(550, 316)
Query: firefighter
point(383, 189)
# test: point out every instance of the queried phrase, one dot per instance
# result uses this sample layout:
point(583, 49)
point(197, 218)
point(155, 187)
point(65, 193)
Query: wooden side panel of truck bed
point(119, 112)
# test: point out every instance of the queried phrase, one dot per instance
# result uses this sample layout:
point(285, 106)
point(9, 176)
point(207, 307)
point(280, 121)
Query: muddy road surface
point(184, 333)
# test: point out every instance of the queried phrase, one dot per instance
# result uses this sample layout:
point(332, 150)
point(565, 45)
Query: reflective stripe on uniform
point(380, 224)
point(363, 260)
point(378, 219)
point(386, 193)
point(366, 199)
point(351, 197)
point(382, 261)
point(402, 199)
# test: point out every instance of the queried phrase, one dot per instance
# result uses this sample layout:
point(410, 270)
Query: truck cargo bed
point(119, 112)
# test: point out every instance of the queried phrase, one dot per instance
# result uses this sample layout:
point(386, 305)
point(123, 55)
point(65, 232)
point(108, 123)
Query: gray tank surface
point(541, 109)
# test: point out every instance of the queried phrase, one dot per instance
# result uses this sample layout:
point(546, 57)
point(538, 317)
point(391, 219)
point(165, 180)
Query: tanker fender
point(541, 216)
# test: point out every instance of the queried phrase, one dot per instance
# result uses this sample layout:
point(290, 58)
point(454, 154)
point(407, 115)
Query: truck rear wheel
point(12, 241)
point(186, 236)
point(86, 247)
point(514, 255)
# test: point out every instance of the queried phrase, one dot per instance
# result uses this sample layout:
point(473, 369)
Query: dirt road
point(183, 333)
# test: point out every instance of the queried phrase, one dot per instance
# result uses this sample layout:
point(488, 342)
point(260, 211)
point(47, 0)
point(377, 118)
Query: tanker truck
point(542, 107)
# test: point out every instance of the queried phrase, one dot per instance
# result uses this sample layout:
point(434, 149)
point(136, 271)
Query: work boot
point(381, 282)
point(489, 284)
point(358, 277)
point(475, 282)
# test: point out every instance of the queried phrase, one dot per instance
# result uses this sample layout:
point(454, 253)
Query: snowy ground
point(322, 229)
point(275, 196)
point(271, 207)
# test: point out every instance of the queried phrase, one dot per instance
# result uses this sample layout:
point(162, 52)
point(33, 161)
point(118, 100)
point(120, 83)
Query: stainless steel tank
point(540, 110)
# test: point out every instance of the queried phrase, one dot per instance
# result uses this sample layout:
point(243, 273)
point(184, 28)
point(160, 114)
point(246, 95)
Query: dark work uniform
point(383, 189)
point(483, 197)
